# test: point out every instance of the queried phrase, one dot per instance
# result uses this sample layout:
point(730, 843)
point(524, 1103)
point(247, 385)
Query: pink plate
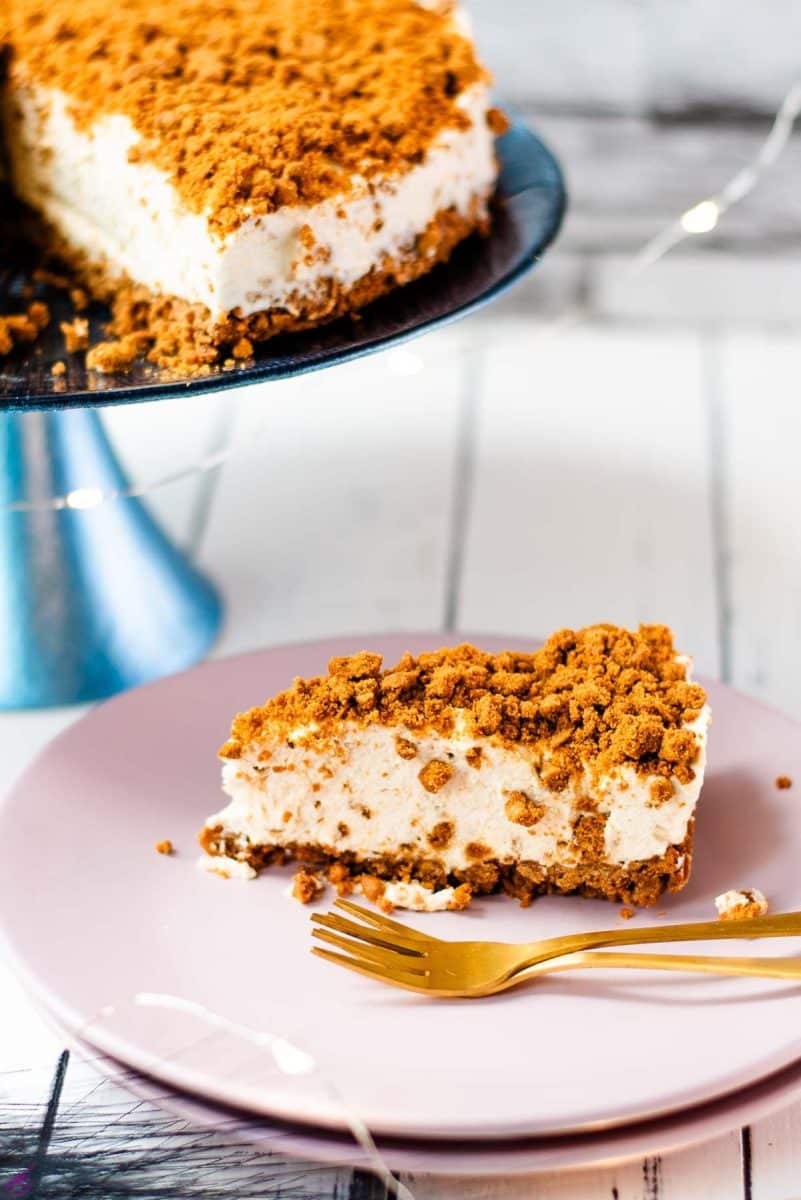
point(523, 1156)
point(94, 918)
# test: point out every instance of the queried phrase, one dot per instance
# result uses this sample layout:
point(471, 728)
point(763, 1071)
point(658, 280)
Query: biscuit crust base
point(187, 338)
point(638, 883)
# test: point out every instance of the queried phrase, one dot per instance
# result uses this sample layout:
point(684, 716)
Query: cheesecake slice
point(573, 769)
point(223, 171)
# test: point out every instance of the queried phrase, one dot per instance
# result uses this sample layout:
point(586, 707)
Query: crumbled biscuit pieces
point(602, 697)
point(405, 748)
point(110, 357)
point(252, 105)
point(441, 835)
point(734, 905)
point(76, 334)
point(373, 889)
point(306, 886)
point(23, 327)
point(51, 278)
point(783, 782)
point(498, 121)
point(435, 775)
point(165, 847)
point(660, 791)
point(522, 810)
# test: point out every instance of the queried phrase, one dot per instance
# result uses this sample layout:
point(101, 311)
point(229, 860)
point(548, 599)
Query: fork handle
point(779, 925)
point(762, 968)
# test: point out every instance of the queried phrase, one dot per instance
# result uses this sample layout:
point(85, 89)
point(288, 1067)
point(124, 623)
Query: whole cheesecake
point(573, 769)
point(226, 170)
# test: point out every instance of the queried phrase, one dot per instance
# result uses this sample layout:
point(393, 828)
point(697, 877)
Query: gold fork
point(393, 953)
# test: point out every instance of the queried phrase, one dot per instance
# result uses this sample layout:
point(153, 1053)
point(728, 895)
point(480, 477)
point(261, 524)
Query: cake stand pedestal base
point(94, 598)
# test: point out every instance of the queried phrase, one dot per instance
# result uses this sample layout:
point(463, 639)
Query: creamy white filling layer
point(417, 898)
point(364, 798)
point(227, 868)
point(128, 217)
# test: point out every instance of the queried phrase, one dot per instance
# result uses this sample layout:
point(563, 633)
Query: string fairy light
point(698, 220)
point(91, 497)
point(704, 216)
point(85, 497)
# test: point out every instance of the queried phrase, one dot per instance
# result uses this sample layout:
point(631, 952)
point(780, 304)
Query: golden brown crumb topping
point(109, 357)
point(250, 105)
point(23, 327)
point(600, 697)
point(76, 334)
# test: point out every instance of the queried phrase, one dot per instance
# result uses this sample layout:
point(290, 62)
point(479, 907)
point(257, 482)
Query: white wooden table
point(491, 478)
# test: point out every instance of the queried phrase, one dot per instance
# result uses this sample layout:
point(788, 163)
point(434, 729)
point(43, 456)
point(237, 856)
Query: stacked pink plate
point(204, 997)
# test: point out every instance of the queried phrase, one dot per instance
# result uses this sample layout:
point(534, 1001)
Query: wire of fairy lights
point(698, 220)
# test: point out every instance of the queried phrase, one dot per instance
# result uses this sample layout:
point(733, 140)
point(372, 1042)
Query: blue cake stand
point(93, 596)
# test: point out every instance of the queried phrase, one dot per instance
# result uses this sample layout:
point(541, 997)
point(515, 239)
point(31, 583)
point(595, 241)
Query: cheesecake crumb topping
point(76, 334)
point(23, 327)
point(601, 698)
point(252, 105)
point(110, 357)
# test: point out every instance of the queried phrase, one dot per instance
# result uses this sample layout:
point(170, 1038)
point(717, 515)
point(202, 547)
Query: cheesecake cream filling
point(128, 218)
point(362, 797)
point(417, 898)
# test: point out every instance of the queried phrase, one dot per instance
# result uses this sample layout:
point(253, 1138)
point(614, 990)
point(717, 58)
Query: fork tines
point(377, 947)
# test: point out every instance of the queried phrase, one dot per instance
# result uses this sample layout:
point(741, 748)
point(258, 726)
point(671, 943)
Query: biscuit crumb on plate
point(783, 782)
point(306, 886)
point(734, 905)
point(165, 847)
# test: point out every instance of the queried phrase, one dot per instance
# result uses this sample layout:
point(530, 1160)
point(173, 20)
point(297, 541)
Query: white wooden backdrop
point(637, 56)
point(497, 477)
